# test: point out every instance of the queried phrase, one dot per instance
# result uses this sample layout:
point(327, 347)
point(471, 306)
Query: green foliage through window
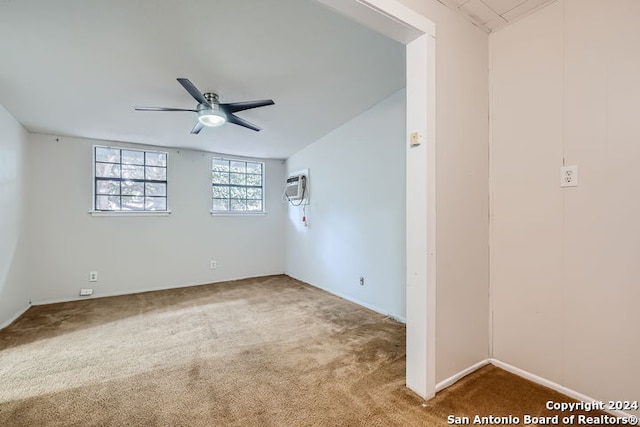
point(238, 186)
point(129, 180)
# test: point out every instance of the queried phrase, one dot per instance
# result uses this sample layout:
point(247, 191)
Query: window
point(129, 180)
point(238, 186)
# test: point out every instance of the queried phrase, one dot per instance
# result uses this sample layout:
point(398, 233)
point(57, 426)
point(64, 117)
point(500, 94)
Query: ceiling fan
point(210, 112)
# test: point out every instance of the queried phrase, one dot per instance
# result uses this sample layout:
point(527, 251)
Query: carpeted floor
point(269, 351)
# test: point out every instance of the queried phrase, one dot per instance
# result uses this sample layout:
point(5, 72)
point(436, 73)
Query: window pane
point(238, 193)
point(107, 170)
point(238, 167)
point(131, 188)
point(132, 172)
point(220, 178)
point(107, 187)
point(156, 159)
point(156, 189)
point(220, 192)
point(220, 204)
point(155, 203)
point(105, 154)
point(254, 205)
point(132, 157)
point(254, 180)
point(132, 180)
point(107, 203)
point(254, 193)
point(254, 168)
point(238, 205)
point(220, 165)
point(237, 185)
point(132, 203)
point(237, 178)
point(156, 174)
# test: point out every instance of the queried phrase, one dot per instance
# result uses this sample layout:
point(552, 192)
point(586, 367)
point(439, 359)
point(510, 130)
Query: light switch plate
point(415, 139)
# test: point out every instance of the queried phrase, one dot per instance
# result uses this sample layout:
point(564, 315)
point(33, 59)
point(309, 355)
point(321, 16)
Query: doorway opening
point(417, 33)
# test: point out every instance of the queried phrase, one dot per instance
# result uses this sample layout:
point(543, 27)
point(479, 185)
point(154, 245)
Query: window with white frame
point(237, 185)
point(129, 180)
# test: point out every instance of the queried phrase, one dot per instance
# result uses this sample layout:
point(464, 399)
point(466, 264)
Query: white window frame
point(98, 212)
point(263, 187)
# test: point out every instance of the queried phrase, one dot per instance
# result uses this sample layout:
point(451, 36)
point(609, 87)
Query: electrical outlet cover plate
point(569, 176)
point(86, 292)
point(415, 139)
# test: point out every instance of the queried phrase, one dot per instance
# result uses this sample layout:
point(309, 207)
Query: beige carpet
point(259, 352)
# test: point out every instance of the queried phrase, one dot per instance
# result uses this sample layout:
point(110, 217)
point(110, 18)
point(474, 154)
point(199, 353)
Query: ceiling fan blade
point(234, 107)
point(197, 128)
point(197, 95)
point(162, 109)
point(241, 122)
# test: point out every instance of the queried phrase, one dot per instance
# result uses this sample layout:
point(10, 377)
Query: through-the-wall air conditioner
point(296, 186)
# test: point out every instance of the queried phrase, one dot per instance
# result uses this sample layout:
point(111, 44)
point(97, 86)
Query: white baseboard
point(354, 300)
point(524, 374)
point(186, 285)
point(14, 317)
point(365, 305)
point(554, 386)
point(456, 377)
point(144, 290)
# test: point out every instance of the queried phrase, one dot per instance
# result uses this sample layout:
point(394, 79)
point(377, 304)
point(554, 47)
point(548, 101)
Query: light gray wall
point(134, 254)
point(356, 214)
point(14, 297)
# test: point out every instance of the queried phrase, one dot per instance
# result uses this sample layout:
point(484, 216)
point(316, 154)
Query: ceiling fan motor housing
point(211, 97)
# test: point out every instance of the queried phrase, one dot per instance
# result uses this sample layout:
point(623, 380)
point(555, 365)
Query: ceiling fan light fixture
point(211, 117)
point(209, 110)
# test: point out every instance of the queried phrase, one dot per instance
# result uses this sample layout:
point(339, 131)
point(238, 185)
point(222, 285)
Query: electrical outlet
point(213, 265)
point(93, 276)
point(86, 292)
point(361, 281)
point(569, 176)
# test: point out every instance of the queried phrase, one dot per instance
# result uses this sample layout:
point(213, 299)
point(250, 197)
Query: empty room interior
point(319, 212)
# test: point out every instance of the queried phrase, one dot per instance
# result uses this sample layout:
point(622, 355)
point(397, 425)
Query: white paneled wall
point(564, 269)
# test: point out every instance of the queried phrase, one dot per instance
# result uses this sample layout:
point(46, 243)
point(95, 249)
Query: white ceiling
point(491, 15)
point(77, 68)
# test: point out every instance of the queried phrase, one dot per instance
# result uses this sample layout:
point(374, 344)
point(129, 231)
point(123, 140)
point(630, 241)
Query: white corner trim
point(397, 11)
point(554, 386)
point(15, 316)
point(388, 17)
point(456, 377)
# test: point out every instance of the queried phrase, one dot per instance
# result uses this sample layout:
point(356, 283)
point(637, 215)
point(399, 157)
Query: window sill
point(237, 213)
point(129, 213)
